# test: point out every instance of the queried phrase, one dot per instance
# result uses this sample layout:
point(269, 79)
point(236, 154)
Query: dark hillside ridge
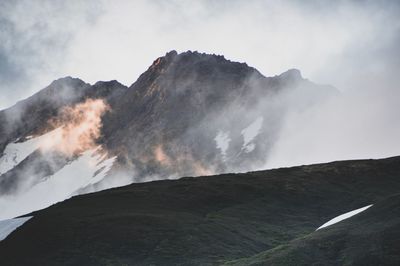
point(219, 219)
point(369, 238)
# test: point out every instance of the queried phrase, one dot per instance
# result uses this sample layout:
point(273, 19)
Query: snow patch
point(90, 168)
point(250, 132)
point(16, 152)
point(9, 226)
point(343, 217)
point(222, 141)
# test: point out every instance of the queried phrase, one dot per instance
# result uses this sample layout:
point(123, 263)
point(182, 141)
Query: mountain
point(259, 218)
point(189, 114)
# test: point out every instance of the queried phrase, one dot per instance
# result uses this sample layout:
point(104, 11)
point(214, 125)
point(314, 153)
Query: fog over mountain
point(351, 45)
point(199, 132)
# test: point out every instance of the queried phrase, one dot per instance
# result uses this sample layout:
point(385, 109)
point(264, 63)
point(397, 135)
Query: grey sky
point(330, 43)
point(353, 45)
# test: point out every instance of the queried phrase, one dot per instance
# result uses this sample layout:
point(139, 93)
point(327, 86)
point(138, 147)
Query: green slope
point(369, 238)
point(205, 220)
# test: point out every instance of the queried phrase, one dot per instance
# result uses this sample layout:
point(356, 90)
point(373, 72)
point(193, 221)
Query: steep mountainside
point(183, 102)
point(271, 215)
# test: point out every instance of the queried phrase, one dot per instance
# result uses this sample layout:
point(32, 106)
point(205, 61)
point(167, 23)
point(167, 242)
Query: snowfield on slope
point(343, 217)
point(8, 226)
point(222, 142)
point(90, 168)
point(16, 152)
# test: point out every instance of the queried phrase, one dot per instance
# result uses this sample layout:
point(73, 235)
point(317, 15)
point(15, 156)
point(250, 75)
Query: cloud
point(102, 40)
point(34, 40)
point(358, 124)
point(79, 128)
point(352, 45)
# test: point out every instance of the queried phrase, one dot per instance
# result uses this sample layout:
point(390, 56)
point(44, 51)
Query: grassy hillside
point(268, 217)
point(369, 238)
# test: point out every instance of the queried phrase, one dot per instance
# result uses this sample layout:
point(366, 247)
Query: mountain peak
point(193, 65)
point(171, 53)
point(164, 60)
point(68, 80)
point(292, 74)
point(190, 56)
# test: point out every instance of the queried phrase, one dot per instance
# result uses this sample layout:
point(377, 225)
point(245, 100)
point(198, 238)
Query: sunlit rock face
point(189, 114)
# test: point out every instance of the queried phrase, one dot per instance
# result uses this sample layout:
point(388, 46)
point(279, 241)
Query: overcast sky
point(346, 44)
point(352, 45)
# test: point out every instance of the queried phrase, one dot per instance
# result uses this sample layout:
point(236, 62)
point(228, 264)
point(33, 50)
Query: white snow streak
point(343, 217)
point(222, 141)
point(16, 152)
point(250, 132)
point(8, 226)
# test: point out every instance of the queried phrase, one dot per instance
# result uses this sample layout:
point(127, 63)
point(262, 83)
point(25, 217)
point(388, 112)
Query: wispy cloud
point(337, 43)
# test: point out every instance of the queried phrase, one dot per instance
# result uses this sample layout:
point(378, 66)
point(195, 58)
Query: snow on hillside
point(90, 168)
point(222, 142)
point(250, 132)
point(9, 225)
point(16, 152)
point(343, 217)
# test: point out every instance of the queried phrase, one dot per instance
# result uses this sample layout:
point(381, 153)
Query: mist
point(352, 45)
point(355, 125)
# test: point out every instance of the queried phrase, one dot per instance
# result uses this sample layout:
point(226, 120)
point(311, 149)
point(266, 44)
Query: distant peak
point(67, 81)
point(110, 82)
point(67, 78)
point(172, 53)
point(293, 74)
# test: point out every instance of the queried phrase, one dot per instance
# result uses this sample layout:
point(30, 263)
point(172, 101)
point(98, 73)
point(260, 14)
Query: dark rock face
point(271, 215)
point(181, 103)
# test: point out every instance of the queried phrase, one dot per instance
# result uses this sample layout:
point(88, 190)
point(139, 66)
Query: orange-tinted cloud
point(161, 156)
point(181, 163)
point(79, 127)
